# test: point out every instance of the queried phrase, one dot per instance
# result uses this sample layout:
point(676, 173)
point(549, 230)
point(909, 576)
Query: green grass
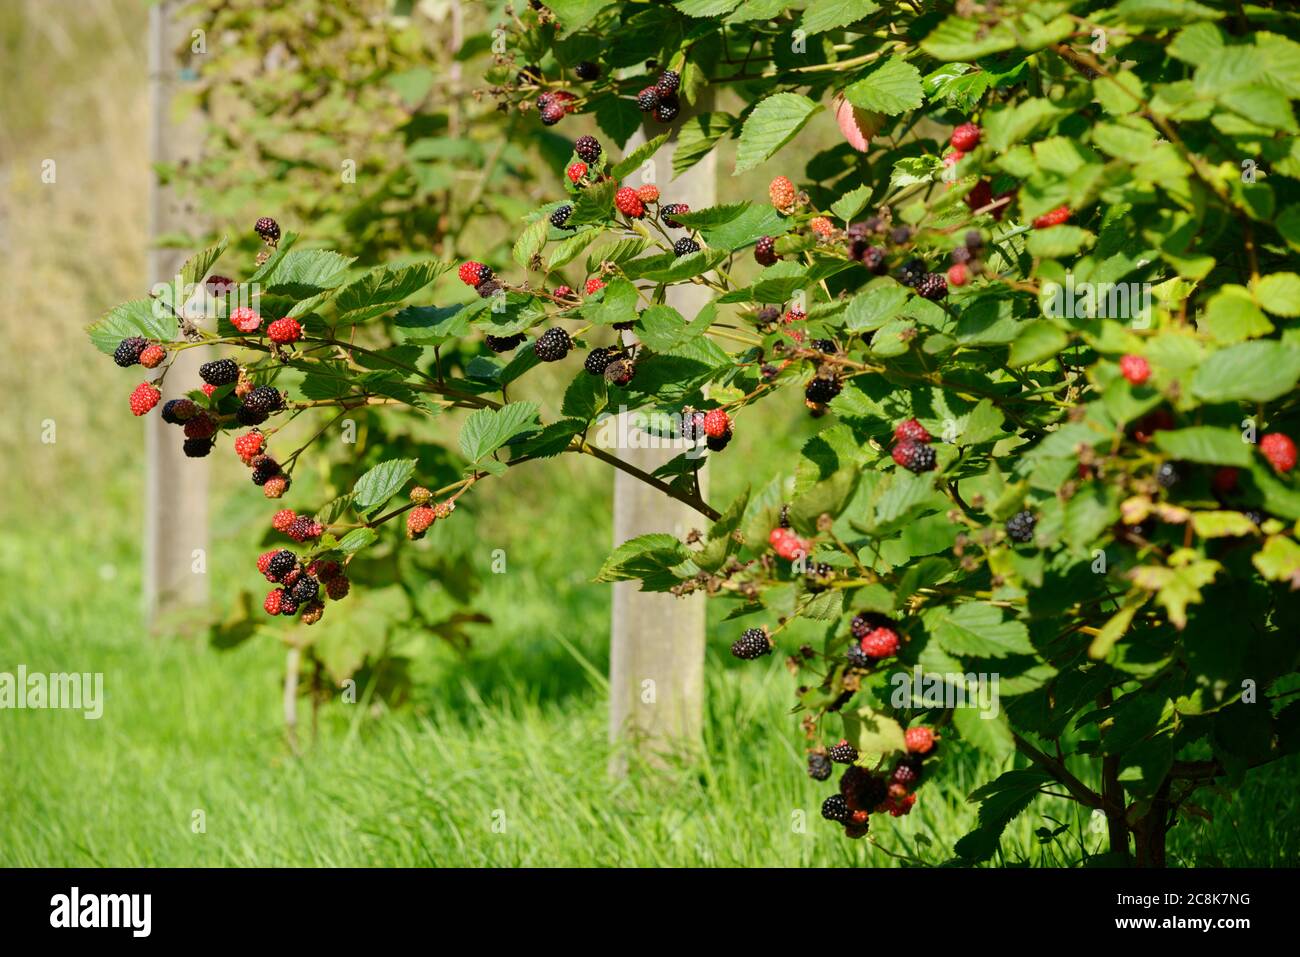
point(513, 734)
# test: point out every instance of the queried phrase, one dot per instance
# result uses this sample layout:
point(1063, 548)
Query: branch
point(1057, 769)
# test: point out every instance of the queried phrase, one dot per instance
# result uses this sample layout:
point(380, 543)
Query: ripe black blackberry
point(504, 343)
point(598, 358)
point(587, 70)
point(246, 416)
point(911, 272)
point(668, 82)
point(874, 259)
point(530, 75)
point(587, 148)
point(843, 753)
point(819, 766)
point(647, 99)
point(620, 372)
point(908, 771)
point(685, 246)
point(672, 209)
point(765, 251)
point(488, 288)
point(265, 399)
point(561, 216)
point(268, 229)
point(900, 234)
point(264, 468)
point(933, 286)
point(1020, 527)
point(219, 372)
point(835, 808)
point(856, 657)
point(128, 351)
point(822, 389)
point(716, 443)
point(753, 643)
point(304, 589)
point(914, 456)
point(169, 412)
point(825, 346)
point(767, 315)
point(1169, 474)
point(624, 326)
point(862, 789)
point(667, 109)
point(196, 448)
point(552, 345)
point(282, 562)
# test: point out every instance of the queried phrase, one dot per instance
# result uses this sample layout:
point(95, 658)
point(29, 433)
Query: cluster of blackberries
point(966, 259)
point(714, 426)
point(661, 99)
point(875, 637)
point(480, 278)
point(912, 447)
point(555, 105)
point(612, 362)
point(300, 585)
point(862, 792)
point(867, 242)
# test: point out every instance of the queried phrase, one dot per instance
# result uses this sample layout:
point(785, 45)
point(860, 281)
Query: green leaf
point(139, 317)
point(823, 15)
point(1231, 316)
point(634, 159)
point(771, 125)
point(1279, 560)
point(697, 137)
point(989, 733)
point(852, 202)
point(882, 300)
point(1164, 13)
point(645, 554)
point(1250, 371)
point(1000, 801)
point(569, 249)
point(1209, 444)
point(744, 230)
point(711, 216)
point(197, 266)
point(383, 288)
point(617, 303)
point(1058, 241)
point(380, 484)
point(1036, 341)
point(486, 430)
point(576, 14)
point(977, 630)
point(355, 540)
point(531, 241)
point(874, 734)
point(891, 87)
point(585, 397)
point(1279, 293)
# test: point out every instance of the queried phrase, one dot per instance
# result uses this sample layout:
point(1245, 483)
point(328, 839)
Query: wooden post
point(656, 662)
point(176, 487)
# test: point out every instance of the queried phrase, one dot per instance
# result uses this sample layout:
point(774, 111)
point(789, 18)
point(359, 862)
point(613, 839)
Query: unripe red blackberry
point(587, 148)
point(765, 251)
point(268, 229)
point(249, 445)
point(1054, 218)
point(880, 643)
point(627, 202)
point(245, 319)
point(143, 398)
point(552, 345)
point(753, 643)
point(304, 529)
point(276, 486)
point(219, 372)
point(782, 194)
point(965, 137)
point(152, 356)
point(843, 753)
point(473, 273)
point(919, 739)
point(284, 331)
point(575, 172)
point(911, 429)
point(418, 521)
point(716, 423)
point(1280, 451)
point(282, 519)
point(1135, 369)
point(274, 599)
point(685, 246)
